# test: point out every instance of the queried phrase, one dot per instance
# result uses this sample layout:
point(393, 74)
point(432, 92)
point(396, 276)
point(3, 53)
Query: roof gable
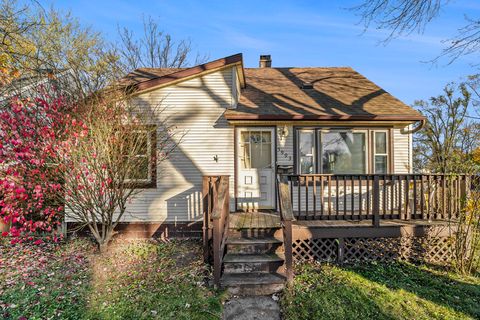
point(149, 78)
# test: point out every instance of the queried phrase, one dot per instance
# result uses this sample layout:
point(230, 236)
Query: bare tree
point(399, 16)
point(115, 159)
point(407, 16)
point(153, 49)
point(446, 143)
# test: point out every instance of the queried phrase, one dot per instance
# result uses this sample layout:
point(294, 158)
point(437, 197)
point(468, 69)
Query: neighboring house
point(252, 123)
point(27, 85)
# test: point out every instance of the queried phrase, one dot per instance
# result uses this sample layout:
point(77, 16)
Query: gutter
point(417, 128)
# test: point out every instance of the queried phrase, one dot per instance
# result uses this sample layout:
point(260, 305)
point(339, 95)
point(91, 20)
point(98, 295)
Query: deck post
point(465, 190)
point(206, 217)
point(217, 263)
point(220, 216)
point(376, 201)
point(286, 218)
point(288, 250)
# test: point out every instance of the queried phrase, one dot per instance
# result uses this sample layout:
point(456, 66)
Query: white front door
point(255, 168)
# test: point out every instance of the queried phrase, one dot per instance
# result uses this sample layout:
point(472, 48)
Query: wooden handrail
point(286, 208)
point(222, 197)
point(286, 218)
point(219, 220)
point(373, 196)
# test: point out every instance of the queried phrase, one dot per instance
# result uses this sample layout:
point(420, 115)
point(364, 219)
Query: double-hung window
point(380, 157)
point(140, 150)
point(340, 151)
point(306, 147)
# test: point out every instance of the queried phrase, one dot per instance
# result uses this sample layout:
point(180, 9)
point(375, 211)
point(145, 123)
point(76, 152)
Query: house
point(28, 84)
point(284, 164)
point(252, 123)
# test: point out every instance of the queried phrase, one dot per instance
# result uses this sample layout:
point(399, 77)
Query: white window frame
point(387, 149)
point(317, 156)
point(314, 154)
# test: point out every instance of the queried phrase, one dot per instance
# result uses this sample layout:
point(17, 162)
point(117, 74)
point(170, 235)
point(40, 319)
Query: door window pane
point(306, 145)
point(245, 149)
point(256, 149)
point(343, 152)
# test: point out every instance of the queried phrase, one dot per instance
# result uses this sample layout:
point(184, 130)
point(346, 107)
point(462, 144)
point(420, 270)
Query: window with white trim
point(306, 151)
point(380, 152)
point(341, 151)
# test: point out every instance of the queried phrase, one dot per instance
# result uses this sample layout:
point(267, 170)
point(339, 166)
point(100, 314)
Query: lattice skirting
point(425, 249)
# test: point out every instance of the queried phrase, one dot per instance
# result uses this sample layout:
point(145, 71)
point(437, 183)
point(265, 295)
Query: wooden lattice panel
point(439, 250)
point(323, 250)
point(429, 249)
point(371, 249)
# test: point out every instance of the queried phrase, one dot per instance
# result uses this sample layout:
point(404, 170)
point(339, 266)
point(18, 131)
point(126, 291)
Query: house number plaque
point(284, 154)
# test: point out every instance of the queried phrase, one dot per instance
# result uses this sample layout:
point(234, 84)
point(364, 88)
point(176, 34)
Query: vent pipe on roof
point(307, 85)
point(265, 61)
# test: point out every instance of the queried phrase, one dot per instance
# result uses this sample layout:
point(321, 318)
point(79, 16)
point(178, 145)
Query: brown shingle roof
point(337, 93)
point(145, 74)
point(277, 94)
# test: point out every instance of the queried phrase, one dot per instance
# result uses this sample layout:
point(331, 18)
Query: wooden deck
point(265, 220)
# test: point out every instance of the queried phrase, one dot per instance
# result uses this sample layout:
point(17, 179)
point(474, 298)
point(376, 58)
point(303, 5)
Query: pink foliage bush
point(35, 135)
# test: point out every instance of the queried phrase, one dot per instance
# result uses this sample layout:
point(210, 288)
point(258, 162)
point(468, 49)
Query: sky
point(297, 33)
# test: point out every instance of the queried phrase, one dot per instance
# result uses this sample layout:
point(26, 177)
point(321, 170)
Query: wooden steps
point(254, 259)
point(254, 283)
point(254, 245)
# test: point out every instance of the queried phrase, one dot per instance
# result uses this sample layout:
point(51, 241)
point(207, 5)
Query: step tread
point(276, 226)
point(253, 258)
point(242, 240)
point(252, 278)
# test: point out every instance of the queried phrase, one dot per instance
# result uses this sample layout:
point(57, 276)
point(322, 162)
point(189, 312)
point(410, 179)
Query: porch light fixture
point(283, 133)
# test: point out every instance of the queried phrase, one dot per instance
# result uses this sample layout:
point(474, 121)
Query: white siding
point(196, 107)
point(402, 150)
point(285, 145)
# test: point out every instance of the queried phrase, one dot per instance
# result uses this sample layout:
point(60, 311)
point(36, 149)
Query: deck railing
point(216, 209)
point(377, 197)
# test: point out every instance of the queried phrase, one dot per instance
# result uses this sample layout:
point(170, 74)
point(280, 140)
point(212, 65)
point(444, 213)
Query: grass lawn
point(378, 291)
point(135, 280)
